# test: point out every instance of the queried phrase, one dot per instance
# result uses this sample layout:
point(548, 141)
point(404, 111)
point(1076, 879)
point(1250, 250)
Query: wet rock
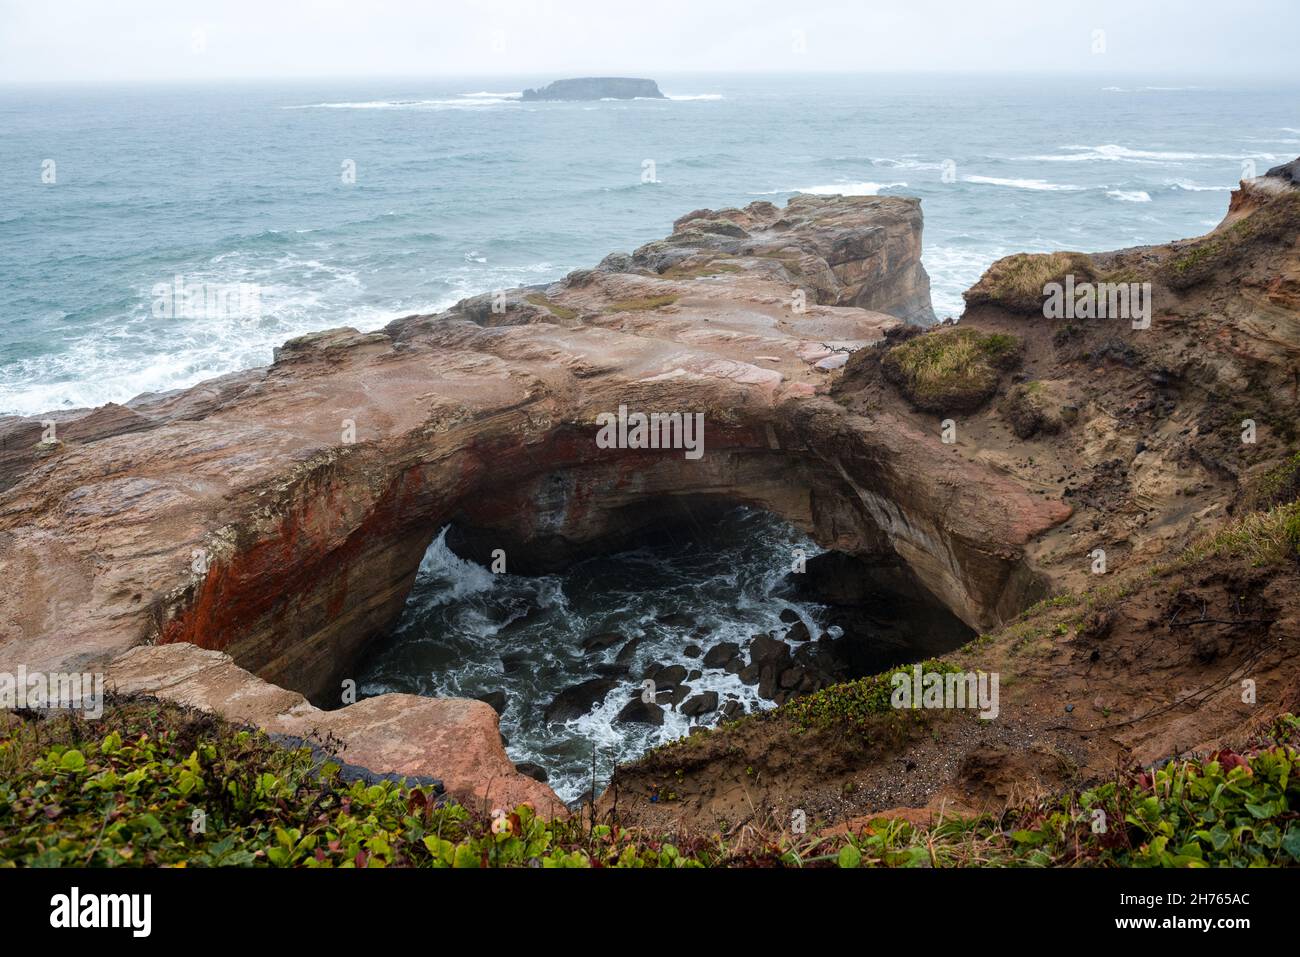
point(750, 673)
point(732, 710)
point(497, 699)
point(695, 675)
point(677, 620)
point(692, 651)
point(767, 681)
point(765, 650)
point(533, 770)
point(672, 696)
point(720, 654)
point(702, 703)
point(735, 666)
point(798, 632)
point(613, 669)
point(600, 641)
point(578, 700)
point(671, 675)
point(789, 616)
point(627, 652)
point(637, 711)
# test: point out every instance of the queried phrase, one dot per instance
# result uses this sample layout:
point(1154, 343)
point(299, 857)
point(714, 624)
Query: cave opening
point(709, 612)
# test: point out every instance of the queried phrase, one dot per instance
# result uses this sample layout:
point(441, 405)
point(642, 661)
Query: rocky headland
point(597, 88)
point(237, 545)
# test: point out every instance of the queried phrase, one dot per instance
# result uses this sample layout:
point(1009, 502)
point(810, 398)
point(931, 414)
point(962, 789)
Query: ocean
point(332, 203)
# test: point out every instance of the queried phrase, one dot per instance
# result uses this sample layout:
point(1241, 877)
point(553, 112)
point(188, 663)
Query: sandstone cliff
point(252, 534)
point(279, 515)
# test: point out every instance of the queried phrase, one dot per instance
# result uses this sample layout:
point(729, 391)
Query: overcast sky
point(78, 40)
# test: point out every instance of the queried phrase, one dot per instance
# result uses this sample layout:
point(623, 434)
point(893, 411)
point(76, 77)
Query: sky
point(54, 41)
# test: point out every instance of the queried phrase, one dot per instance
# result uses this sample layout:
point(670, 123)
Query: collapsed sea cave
point(706, 613)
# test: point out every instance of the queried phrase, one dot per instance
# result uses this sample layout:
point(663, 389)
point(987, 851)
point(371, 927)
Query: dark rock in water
point(695, 675)
point(732, 710)
point(613, 670)
point(692, 651)
point(637, 711)
point(671, 675)
point(798, 632)
point(534, 771)
point(597, 88)
point(676, 620)
point(789, 616)
point(702, 703)
point(720, 654)
point(497, 699)
point(673, 695)
point(765, 649)
point(627, 652)
point(735, 666)
point(791, 678)
point(767, 679)
point(749, 674)
point(579, 700)
point(601, 640)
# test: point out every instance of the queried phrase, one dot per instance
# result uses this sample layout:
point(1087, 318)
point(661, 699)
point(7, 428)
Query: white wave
point(1191, 187)
point(483, 94)
point(686, 97)
point(953, 270)
point(461, 577)
point(1114, 153)
point(1036, 184)
point(1129, 195)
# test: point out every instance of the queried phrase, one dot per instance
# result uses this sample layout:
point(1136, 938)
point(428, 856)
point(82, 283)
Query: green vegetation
point(1258, 538)
point(1199, 258)
point(1016, 282)
point(855, 706)
point(560, 312)
point(643, 304)
point(1278, 485)
point(124, 791)
point(951, 370)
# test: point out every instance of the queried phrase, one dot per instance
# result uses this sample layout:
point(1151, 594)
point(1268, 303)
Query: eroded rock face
point(279, 515)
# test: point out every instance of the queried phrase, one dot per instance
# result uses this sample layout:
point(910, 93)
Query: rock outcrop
point(1173, 432)
point(597, 88)
point(279, 515)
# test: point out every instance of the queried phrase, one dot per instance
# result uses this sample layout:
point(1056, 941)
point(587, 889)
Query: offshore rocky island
point(235, 547)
